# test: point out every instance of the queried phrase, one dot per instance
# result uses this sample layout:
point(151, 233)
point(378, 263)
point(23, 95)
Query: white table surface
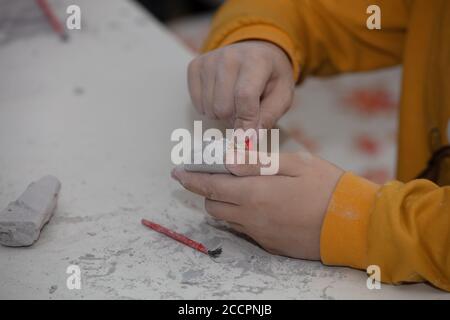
point(98, 112)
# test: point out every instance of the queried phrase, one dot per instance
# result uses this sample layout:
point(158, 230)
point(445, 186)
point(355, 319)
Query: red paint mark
point(367, 145)
point(370, 101)
point(248, 143)
point(180, 238)
point(54, 21)
point(379, 176)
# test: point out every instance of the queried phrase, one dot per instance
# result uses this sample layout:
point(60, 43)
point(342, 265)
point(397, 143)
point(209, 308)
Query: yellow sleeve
point(321, 37)
point(402, 228)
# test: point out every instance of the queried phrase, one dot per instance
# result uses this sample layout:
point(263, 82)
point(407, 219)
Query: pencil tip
point(64, 37)
point(215, 253)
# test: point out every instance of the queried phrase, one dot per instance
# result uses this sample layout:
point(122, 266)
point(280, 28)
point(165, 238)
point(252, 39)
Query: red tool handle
point(176, 236)
point(54, 22)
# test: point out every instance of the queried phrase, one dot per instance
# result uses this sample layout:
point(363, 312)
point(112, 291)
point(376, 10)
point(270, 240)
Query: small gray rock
point(52, 289)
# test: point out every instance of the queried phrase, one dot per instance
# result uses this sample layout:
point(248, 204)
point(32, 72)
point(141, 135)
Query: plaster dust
point(231, 252)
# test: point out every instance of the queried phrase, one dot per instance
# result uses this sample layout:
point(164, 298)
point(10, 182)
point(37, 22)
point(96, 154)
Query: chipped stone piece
point(21, 222)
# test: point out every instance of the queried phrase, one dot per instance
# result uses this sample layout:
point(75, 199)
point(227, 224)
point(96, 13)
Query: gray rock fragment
point(21, 222)
point(221, 145)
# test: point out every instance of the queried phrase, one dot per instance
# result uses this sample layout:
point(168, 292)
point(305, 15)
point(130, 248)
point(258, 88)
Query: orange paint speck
point(370, 101)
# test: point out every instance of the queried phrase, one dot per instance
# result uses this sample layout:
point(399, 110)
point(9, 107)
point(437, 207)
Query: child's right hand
point(249, 83)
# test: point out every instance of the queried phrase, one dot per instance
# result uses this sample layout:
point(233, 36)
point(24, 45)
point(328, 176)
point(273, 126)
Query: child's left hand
point(283, 213)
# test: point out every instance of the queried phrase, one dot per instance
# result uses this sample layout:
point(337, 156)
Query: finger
point(194, 84)
point(207, 77)
point(249, 87)
point(219, 187)
point(223, 101)
point(275, 103)
point(237, 227)
point(282, 164)
point(223, 211)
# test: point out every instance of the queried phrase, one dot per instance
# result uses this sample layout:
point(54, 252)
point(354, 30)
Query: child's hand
point(283, 213)
point(250, 83)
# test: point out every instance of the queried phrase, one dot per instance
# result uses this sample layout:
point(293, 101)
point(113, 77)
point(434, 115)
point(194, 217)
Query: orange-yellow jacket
point(402, 226)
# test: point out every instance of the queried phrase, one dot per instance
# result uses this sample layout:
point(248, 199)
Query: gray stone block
point(21, 222)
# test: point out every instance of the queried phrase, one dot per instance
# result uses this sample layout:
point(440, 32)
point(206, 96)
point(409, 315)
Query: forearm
point(321, 37)
point(402, 228)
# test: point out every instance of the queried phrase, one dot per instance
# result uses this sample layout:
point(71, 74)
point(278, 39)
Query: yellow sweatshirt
point(402, 226)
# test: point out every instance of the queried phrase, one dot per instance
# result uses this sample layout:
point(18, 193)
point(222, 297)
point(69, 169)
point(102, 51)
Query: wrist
point(343, 238)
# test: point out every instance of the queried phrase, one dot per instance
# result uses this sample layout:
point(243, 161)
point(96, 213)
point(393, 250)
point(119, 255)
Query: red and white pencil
point(182, 239)
point(53, 19)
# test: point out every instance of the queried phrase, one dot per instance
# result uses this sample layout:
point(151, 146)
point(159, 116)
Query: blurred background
point(189, 19)
point(169, 10)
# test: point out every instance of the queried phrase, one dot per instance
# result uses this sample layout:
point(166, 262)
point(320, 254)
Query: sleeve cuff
point(264, 32)
point(344, 231)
